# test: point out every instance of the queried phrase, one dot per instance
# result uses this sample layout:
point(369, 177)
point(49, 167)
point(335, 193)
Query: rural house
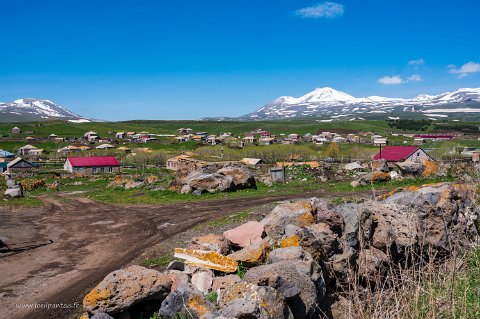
point(19, 164)
point(27, 149)
point(396, 154)
point(16, 130)
point(92, 165)
point(6, 156)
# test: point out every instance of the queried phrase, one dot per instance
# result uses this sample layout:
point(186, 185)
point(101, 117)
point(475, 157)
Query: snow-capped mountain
point(330, 103)
point(35, 110)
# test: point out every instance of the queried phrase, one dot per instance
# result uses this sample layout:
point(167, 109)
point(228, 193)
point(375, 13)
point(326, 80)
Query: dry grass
point(422, 284)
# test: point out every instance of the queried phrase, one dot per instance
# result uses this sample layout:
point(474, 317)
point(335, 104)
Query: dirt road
point(89, 240)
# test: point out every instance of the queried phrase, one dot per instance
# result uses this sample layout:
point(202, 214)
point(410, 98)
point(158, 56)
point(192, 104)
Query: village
point(257, 155)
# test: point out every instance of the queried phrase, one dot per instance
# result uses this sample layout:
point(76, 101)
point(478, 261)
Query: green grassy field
point(43, 129)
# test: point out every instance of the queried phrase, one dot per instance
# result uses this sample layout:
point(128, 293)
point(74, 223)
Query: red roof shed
point(395, 153)
point(93, 161)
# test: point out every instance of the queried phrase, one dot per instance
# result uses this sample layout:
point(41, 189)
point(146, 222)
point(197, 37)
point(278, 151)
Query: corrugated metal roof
point(395, 153)
point(93, 161)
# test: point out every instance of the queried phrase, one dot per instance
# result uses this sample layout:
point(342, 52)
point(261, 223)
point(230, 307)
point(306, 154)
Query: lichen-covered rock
point(152, 179)
point(380, 166)
point(288, 253)
point(185, 301)
point(245, 234)
point(294, 280)
point(132, 184)
point(212, 242)
point(251, 254)
point(222, 282)
point(206, 259)
point(262, 302)
point(300, 213)
point(122, 288)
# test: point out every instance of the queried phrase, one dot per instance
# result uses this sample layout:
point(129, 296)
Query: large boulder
point(241, 176)
point(355, 166)
point(185, 301)
point(246, 234)
point(123, 288)
point(247, 300)
point(210, 183)
point(410, 168)
point(215, 178)
point(299, 282)
point(299, 213)
point(380, 165)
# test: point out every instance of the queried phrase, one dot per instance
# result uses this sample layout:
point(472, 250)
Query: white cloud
point(415, 78)
point(322, 10)
point(464, 70)
point(416, 62)
point(391, 80)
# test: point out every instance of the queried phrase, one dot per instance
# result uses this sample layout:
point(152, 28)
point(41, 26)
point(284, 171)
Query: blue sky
point(117, 60)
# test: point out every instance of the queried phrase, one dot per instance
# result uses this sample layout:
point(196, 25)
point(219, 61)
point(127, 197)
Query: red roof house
point(402, 153)
point(92, 164)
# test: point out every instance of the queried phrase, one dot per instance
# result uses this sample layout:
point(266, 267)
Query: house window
point(418, 154)
point(110, 169)
point(94, 170)
point(102, 170)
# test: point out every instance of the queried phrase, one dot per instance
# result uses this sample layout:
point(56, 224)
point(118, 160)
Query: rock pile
point(286, 265)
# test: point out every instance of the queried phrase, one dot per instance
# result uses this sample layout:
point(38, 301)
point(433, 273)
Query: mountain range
point(24, 110)
point(325, 104)
point(331, 104)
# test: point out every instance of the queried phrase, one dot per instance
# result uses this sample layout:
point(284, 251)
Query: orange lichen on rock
point(198, 305)
point(444, 197)
point(95, 296)
point(412, 188)
point(252, 253)
point(380, 177)
point(84, 316)
point(292, 241)
point(206, 259)
point(429, 168)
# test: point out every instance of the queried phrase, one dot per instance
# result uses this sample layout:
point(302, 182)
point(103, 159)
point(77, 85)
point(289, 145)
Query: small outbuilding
point(92, 165)
point(19, 164)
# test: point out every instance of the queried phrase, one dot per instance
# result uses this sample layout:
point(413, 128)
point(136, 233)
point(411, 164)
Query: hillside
point(28, 110)
point(331, 104)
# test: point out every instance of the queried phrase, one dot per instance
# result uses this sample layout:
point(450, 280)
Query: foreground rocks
point(288, 264)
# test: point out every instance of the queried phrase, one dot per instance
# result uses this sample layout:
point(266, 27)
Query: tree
point(333, 150)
